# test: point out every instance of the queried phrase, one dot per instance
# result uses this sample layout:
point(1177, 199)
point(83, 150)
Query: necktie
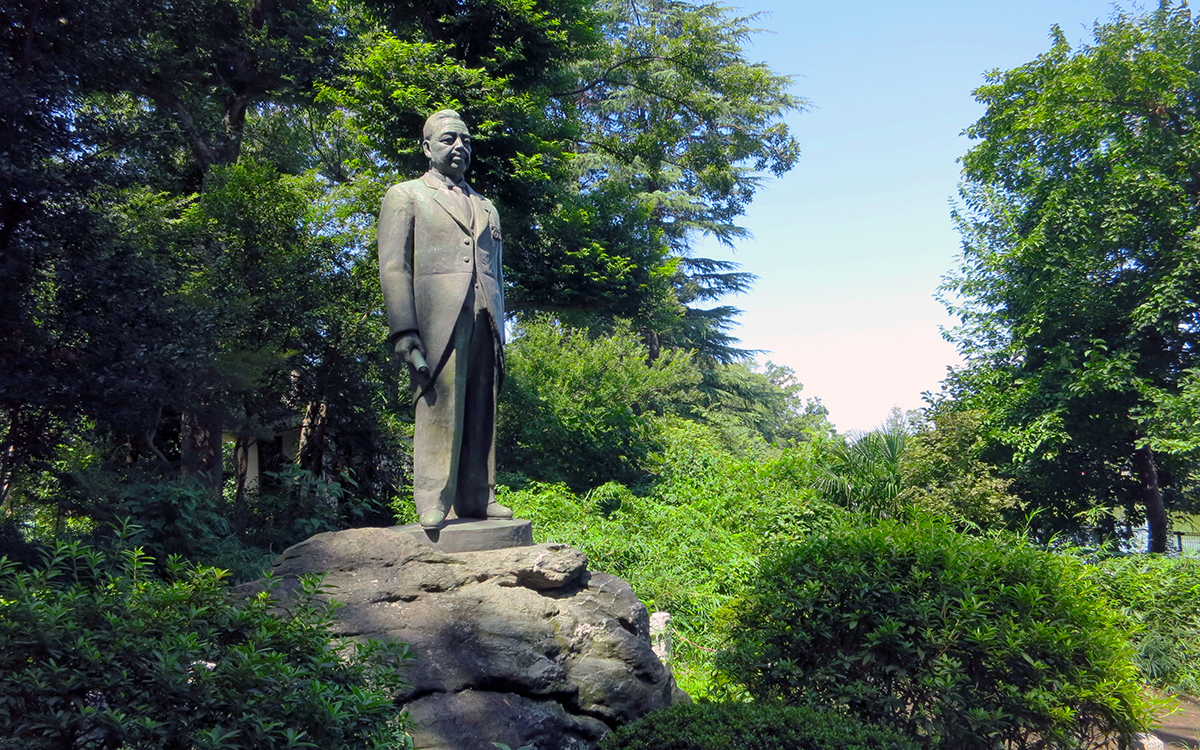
point(461, 201)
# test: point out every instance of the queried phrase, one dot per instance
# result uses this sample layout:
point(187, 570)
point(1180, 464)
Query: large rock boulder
point(523, 646)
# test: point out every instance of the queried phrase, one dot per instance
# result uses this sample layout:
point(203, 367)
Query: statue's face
point(449, 149)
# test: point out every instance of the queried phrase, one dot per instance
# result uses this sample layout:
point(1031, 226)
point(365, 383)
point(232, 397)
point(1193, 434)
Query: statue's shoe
point(496, 510)
point(433, 520)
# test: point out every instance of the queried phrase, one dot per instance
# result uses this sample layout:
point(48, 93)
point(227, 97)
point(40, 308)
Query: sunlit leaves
point(1078, 289)
point(101, 647)
point(959, 642)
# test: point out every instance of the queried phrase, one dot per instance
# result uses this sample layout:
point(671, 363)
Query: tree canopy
point(188, 207)
point(1079, 283)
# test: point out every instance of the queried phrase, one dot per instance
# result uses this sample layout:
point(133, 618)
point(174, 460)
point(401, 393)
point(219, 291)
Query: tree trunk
point(241, 467)
point(312, 438)
point(1156, 510)
point(6, 474)
point(653, 346)
point(8, 460)
point(200, 444)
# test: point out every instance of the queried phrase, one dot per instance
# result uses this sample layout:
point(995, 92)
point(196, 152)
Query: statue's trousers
point(454, 450)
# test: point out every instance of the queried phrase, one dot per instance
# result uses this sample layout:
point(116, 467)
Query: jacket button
point(467, 241)
point(466, 259)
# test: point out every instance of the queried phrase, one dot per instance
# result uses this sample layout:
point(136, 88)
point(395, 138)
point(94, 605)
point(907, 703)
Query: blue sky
point(852, 244)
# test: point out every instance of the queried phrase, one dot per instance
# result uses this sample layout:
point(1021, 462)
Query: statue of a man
point(439, 263)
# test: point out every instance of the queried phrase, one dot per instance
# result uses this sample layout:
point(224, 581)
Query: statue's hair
point(441, 114)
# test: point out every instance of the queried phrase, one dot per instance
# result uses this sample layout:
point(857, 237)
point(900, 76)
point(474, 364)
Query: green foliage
point(578, 408)
point(942, 472)
point(692, 542)
point(608, 133)
point(863, 474)
point(98, 652)
point(675, 120)
point(925, 463)
point(677, 558)
point(187, 217)
point(750, 726)
point(1076, 285)
point(957, 641)
point(703, 118)
point(583, 408)
point(565, 250)
point(1160, 596)
point(181, 519)
point(185, 518)
point(748, 405)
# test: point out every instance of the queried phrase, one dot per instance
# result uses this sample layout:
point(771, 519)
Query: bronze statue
point(439, 263)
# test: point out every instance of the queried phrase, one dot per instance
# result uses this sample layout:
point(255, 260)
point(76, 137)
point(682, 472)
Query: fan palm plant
point(863, 474)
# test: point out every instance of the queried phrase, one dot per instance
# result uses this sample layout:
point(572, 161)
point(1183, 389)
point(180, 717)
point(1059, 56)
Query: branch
point(626, 156)
point(233, 124)
point(520, 307)
point(187, 126)
point(603, 77)
point(149, 436)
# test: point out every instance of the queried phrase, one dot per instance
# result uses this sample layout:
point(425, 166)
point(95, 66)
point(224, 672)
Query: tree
point(630, 127)
point(674, 116)
point(765, 406)
point(862, 472)
point(177, 264)
point(187, 213)
point(85, 325)
point(108, 96)
point(941, 470)
point(1078, 284)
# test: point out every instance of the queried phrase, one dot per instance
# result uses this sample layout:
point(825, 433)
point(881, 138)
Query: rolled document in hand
point(417, 360)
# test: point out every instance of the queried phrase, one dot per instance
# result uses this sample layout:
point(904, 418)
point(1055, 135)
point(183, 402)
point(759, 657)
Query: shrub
point(750, 726)
point(578, 408)
point(957, 641)
point(675, 557)
point(1161, 597)
point(96, 652)
point(693, 542)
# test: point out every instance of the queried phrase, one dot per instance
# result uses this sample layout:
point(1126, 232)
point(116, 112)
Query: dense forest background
point(188, 221)
point(192, 345)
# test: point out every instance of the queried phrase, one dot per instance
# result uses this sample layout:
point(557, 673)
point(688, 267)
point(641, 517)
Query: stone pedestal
point(473, 534)
point(521, 645)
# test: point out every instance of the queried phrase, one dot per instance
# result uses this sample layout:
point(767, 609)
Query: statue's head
point(447, 142)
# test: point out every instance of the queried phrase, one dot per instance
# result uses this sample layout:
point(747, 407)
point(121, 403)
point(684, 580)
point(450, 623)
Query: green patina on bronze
point(440, 267)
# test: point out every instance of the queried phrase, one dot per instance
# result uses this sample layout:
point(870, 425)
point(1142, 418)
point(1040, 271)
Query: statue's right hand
point(408, 343)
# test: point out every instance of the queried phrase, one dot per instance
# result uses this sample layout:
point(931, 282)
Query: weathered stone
point(446, 718)
point(473, 535)
point(660, 636)
point(521, 645)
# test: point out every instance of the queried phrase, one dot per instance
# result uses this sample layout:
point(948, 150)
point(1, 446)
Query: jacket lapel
point(440, 198)
point(480, 211)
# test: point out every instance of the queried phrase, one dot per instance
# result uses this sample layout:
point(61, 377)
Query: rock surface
point(522, 646)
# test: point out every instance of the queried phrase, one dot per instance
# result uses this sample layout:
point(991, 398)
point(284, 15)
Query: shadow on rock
point(521, 645)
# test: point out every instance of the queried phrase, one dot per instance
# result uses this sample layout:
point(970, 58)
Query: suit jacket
point(429, 253)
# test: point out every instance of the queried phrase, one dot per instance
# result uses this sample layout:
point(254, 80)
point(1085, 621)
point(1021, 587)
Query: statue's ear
point(425, 148)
